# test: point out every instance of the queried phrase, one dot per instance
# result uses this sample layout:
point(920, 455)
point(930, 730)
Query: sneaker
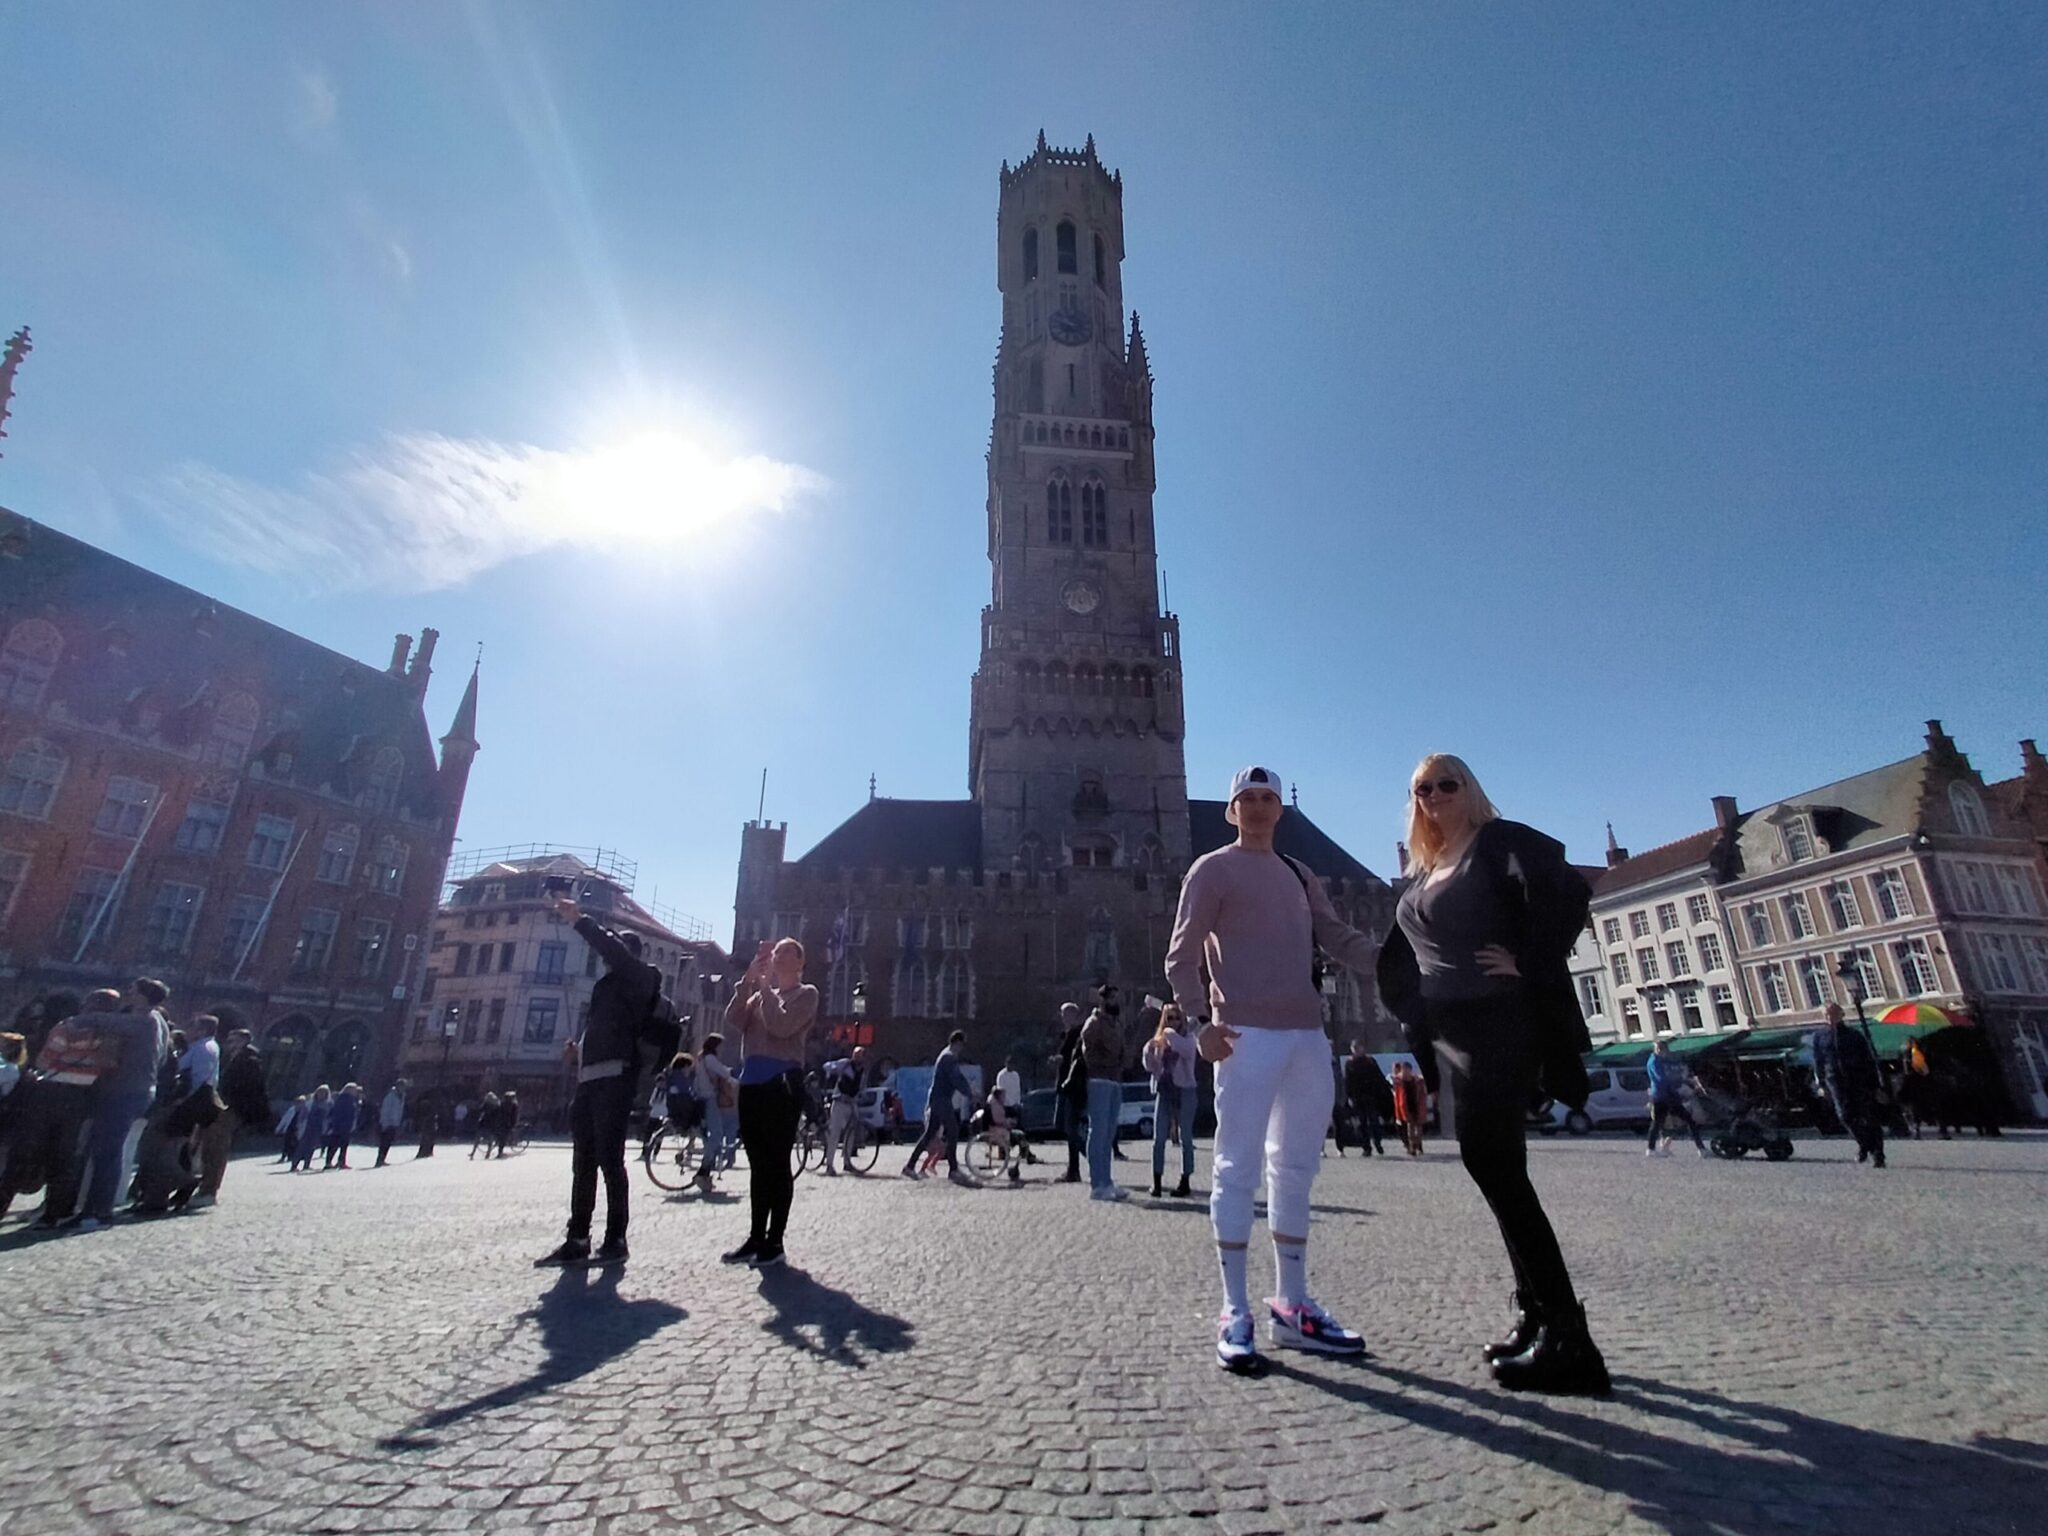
point(569, 1253)
point(1237, 1345)
point(770, 1257)
point(746, 1253)
point(912, 1173)
point(201, 1201)
point(90, 1223)
point(1110, 1192)
point(1705, 1153)
point(1649, 1151)
point(962, 1177)
point(1307, 1326)
point(610, 1253)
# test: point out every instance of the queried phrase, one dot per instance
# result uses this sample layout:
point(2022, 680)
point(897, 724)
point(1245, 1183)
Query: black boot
point(1564, 1359)
point(1158, 1190)
point(1181, 1191)
point(1521, 1335)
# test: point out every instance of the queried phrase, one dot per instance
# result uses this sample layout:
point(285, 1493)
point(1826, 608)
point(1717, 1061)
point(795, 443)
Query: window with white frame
point(168, 930)
point(2034, 950)
point(1689, 1015)
point(1798, 916)
point(1660, 1015)
point(913, 986)
point(2017, 887)
point(955, 997)
point(373, 942)
point(543, 1018)
point(789, 925)
point(13, 875)
point(337, 856)
point(1816, 982)
point(314, 946)
point(1676, 957)
point(1631, 1021)
point(1770, 984)
point(1968, 809)
point(30, 782)
point(83, 914)
point(1758, 919)
point(204, 826)
point(1698, 908)
point(1844, 910)
point(1639, 925)
point(1723, 999)
point(1915, 967)
point(387, 866)
point(1646, 963)
point(125, 808)
point(1711, 958)
point(1894, 897)
point(1868, 979)
point(1997, 962)
point(27, 662)
point(245, 916)
point(1667, 916)
point(1589, 991)
point(1968, 885)
point(269, 841)
point(1798, 835)
point(1610, 930)
point(1620, 964)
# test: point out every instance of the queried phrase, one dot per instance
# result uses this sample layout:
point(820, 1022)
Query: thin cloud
point(315, 108)
point(419, 512)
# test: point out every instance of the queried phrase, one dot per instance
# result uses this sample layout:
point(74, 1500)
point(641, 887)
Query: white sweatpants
point(1273, 1095)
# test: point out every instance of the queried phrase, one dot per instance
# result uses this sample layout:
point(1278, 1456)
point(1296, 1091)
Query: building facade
point(189, 792)
point(507, 984)
point(1062, 869)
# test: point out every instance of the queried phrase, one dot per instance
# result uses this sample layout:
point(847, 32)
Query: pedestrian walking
point(720, 1091)
point(844, 1080)
point(508, 1120)
point(1169, 1057)
point(1669, 1077)
point(1845, 1068)
point(1070, 1077)
point(313, 1128)
point(123, 1094)
point(483, 1127)
point(626, 1006)
point(341, 1124)
point(1254, 921)
point(1411, 1106)
point(74, 1053)
point(1371, 1100)
point(942, 1113)
point(390, 1119)
point(1102, 1052)
point(1478, 972)
point(772, 1011)
point(245, 1100)
point(290, 1126)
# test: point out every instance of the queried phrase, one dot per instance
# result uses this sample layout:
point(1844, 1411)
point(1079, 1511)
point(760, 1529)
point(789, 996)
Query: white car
point(1619, 1100)
point(1134, 1115)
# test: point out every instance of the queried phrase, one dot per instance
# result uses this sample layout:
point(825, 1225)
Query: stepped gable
point(901, 834)
point(1296, 837)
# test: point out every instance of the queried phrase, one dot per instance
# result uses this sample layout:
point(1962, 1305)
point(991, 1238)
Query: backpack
point(1316, 968)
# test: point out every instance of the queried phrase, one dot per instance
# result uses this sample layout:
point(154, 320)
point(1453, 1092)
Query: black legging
point(598, 1117)
point(768, 1121)
point(1487, 1052)
point(1665, 1110)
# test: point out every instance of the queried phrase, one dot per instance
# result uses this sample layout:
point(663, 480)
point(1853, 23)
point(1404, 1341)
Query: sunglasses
point(1441, 787)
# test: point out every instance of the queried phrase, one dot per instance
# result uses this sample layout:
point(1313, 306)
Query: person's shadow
point(584, 1324)
point(819, 1320)
point(1790, 1471)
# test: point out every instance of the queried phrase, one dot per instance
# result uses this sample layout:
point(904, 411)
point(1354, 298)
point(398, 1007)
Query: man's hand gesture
point(1215, 1042)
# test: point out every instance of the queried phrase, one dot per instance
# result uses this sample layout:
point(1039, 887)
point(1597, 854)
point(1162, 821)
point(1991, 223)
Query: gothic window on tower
point(1095, 514)
point(1059, 510)
point(1035, 391)
point(1030, 256)
point(1101, 266)
point(1064, 237)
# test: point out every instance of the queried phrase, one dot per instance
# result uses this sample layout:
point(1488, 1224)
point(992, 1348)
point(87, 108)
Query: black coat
point(625, 1003)
point(243, 1089)
point(1547, 902)
point(1365, 1083)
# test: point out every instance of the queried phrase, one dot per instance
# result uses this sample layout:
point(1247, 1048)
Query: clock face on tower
point(1080, 597)
point(1069, 327)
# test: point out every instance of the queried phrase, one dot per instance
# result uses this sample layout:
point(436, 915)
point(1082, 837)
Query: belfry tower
point(1075, 752)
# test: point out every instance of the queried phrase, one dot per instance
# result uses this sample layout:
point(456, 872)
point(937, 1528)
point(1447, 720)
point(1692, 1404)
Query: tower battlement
point(1050, 157)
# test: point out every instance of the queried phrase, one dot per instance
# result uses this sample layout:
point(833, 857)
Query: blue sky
point(1644, 402)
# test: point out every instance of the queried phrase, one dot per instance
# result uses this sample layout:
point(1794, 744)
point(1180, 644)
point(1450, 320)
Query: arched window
point(1030, 853)
point(1094, 514)
point(1064, 237)
point(1085, 679)
point(31, 780)
point(233, 729)
point(387, 866)
point(27, 661)
point(956, 989)
point(337, 856)
point(1101, 265)
point(1059, 510)
point(1968, 810)
point(912, 987)
point(1030, 255)
point(1152, 855)
point(1143, 678)
point(1027, 676)
point(387, 768)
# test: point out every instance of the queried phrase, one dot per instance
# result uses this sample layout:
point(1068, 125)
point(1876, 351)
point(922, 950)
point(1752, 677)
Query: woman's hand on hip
point(1496, 960)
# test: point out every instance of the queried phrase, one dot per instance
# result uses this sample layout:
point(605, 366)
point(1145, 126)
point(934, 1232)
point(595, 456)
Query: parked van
point(1619, 1100)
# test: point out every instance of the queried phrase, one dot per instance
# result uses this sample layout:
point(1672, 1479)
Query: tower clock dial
point(1080, 597)
point(1069, 327)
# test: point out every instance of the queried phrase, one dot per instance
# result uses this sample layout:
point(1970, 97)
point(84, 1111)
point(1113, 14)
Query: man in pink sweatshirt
point(1256, 918)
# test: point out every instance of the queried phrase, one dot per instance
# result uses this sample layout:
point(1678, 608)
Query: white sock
point(1232, 1260)
point(1290, 1271)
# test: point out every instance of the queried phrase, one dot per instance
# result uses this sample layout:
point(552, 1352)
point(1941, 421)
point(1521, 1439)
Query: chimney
point(1400, 858)
point(1724, 811)
point(400, 648)
point(422, 668)
point(2032, 764)
point(1938, 739)
point(1616, 854)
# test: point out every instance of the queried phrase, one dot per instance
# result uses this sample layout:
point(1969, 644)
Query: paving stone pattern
point(1810, 1347)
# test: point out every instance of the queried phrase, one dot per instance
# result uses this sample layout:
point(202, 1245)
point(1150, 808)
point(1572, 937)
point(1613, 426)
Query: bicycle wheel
point(804, 1149)
point(671, 1158)
point(862, 1151)
point(984, 1157)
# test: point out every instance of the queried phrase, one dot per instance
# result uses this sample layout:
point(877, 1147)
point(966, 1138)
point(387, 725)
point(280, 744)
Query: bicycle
point(673, 1156)
point(861, 1150)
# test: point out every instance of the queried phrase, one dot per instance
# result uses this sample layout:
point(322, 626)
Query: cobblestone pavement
point(1810, 1347)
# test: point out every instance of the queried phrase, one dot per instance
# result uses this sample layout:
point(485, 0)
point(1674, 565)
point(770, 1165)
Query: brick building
point(1063, 867)
point(190, 792)
point(507, 984)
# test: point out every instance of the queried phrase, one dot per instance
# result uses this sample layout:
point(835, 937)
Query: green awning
point(1770, 1045)
point(1618, 1053)
point(1699, 1045)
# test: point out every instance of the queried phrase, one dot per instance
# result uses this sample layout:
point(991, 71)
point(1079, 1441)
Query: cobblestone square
point(1810, 1347)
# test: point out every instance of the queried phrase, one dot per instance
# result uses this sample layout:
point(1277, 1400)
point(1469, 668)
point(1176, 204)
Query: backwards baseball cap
point(1253, 778)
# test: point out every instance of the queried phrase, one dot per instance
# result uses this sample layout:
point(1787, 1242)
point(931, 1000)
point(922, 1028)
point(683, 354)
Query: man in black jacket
point(1372, 1100)
point(247, 1098)
point(1847, 1072)
point(1070, 1079)
point(623, 1005)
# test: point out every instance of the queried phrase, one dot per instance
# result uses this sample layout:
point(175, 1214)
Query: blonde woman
point(1476, 971)
point(1169, 1057)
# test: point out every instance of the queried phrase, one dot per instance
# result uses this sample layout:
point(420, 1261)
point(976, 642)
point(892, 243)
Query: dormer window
point(1798, 834)
point(1967, 808)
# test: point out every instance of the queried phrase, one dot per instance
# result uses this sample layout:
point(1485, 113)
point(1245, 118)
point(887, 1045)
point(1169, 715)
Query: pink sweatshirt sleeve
point(1200, 895)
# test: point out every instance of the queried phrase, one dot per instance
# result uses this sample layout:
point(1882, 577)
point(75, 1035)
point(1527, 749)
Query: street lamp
point(860, 1010)
point(1851, 972)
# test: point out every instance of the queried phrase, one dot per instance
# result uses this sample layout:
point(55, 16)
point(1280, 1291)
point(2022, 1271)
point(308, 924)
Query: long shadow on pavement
point(841, 1327)
point(584, 1325)
point(1795, 1472)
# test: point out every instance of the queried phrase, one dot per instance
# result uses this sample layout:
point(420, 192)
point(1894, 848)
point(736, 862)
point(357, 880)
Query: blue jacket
point(342, 1120)
point(1667, 1078)
point(947, 1080)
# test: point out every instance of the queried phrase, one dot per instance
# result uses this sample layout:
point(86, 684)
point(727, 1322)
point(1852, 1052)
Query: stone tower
point(1075, 752)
